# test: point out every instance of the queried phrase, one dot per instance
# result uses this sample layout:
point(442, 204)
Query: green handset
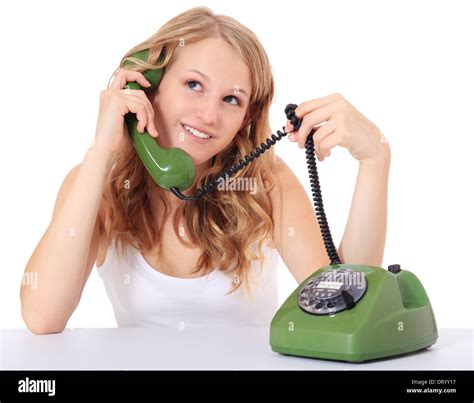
point(169, 168)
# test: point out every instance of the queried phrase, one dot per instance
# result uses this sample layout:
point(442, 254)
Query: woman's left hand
point(345, 127)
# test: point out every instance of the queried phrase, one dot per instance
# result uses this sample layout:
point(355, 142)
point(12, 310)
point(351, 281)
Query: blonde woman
point(210, 262)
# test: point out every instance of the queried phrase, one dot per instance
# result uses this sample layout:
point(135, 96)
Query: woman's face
point(214, 102)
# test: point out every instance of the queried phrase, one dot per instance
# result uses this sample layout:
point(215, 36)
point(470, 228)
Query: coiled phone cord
point(312, 170)
point(234, 168)
point(315, 188)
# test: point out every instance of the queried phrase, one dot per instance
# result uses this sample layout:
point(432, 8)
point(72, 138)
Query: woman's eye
point(191, 83)
point(236, 100)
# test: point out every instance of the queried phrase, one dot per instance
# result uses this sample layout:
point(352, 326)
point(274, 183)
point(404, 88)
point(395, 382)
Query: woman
point(209, 262)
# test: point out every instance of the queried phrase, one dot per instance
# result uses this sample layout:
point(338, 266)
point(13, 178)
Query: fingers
point(317, 103)
point(325, 146)
point(313, 119)
point(322, 146)
point(139, 104)
point(322, 132)
point(123, 76)
point(145, 117)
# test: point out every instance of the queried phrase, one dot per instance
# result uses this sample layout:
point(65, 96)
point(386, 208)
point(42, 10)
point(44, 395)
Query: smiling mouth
point(196, 133)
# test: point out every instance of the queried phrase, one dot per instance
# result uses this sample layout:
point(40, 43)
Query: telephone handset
point(171, 167)
point(342, 311)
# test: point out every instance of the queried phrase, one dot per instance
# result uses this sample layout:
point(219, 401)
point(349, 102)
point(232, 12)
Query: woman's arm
point(364, 236)
point(297, 234)
point(333, 121)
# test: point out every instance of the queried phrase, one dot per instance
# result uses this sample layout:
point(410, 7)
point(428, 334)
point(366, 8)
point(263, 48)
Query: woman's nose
point(207, 111)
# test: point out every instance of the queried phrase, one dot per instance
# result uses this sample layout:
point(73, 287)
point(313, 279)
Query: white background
point(408, 66)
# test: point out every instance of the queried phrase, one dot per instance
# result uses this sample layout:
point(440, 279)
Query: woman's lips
point(195, 138)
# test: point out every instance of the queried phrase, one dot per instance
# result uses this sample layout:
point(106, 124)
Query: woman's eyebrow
point(240, 90)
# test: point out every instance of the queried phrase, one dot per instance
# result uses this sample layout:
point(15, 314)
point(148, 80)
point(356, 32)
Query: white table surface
point(230, 348)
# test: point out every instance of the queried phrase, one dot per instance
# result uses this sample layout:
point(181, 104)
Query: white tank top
point(142, 296)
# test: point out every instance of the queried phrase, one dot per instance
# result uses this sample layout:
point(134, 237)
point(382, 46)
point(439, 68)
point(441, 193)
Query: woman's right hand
point(111, 131)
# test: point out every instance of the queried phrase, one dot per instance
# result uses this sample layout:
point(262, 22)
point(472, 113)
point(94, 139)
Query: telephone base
point(391, 316)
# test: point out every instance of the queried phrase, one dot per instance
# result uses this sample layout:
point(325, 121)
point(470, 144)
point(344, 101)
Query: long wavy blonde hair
point(224, 224)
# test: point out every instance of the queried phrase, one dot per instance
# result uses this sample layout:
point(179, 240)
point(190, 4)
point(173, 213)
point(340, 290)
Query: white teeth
point(196, 133)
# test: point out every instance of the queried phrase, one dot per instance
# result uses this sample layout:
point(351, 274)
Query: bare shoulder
point(284, 180)
point(283, 176)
